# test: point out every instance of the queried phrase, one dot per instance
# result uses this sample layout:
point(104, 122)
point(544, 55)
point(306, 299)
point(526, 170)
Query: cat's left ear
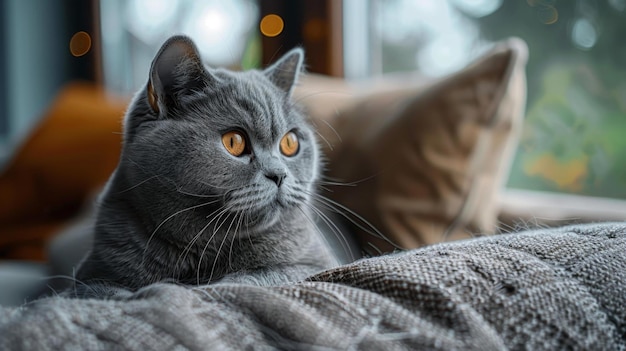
point(284, 73)
point(176, 70)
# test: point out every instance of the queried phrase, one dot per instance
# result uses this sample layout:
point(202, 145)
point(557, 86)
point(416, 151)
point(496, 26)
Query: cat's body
point(188, 203)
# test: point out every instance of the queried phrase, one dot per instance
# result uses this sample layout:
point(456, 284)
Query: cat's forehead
point(249, 85)
point(248, 100)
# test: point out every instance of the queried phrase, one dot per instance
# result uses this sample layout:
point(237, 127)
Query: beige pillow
point(424, 164)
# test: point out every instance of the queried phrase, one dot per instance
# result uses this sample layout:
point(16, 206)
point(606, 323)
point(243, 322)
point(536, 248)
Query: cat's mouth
point(264, 209)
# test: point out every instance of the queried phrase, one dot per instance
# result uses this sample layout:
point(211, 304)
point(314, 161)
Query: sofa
point(422, 161)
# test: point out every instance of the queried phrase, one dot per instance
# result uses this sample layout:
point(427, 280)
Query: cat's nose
point(276, 177)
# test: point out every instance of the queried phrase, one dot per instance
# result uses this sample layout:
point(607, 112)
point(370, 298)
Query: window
point(132, 32)
point(574, 138)
point(32, 40)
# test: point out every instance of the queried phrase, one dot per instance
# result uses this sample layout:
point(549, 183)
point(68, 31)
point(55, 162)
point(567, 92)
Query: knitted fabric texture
point(546, 289)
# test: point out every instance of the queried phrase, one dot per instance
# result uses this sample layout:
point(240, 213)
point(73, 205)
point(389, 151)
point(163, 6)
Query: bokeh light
point(315, 29)
point(547, 14)
point(584, 34)
point(272, 25)
point(150, 20)
point(80, 44)
point(219, 29)
point(478, 8)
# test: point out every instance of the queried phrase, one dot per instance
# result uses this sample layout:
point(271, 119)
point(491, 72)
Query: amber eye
point(234, 142)
point(289, 144)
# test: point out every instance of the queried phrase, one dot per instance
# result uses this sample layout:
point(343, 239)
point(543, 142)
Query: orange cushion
point(71, 153)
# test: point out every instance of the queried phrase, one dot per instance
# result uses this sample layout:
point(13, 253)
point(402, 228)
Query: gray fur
point(180, 208)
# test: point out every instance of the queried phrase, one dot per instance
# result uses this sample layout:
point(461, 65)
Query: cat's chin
point(265, 217)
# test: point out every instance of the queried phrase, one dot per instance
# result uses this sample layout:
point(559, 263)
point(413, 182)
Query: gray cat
point(214, 182)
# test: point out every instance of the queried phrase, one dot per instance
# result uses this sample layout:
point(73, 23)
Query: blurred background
point(62, 58)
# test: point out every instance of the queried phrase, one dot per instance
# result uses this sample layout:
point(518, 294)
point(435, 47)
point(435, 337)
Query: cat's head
point(228, 142)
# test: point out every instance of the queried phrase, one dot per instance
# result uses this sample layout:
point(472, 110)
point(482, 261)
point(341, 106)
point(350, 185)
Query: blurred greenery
point(574, 138)
point(251, 57)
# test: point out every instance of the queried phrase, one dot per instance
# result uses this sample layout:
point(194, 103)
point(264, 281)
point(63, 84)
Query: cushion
point(421, 162)
point(70, 155)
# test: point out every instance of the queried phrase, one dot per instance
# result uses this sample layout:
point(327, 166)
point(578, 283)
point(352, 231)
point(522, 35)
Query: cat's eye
point(234, 142)
point(289, 144)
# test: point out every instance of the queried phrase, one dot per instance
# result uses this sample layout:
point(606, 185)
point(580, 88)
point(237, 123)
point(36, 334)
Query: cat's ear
point(176, 69)
point(284, 73)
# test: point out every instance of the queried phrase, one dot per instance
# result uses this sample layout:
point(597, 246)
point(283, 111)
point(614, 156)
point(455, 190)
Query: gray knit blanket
point(551, 289)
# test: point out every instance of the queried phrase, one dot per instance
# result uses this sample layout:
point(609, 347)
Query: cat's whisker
point(334, 229)
point(330, 146)
point(247, 226)
point(337, 182)
point(180, 261)
point(198, 195)
point(180, 188)
point(378, 250)
point(333, 129)
point(187, 249)
point(339, 209)
point(167, 219)
point(216, 229)
point(221, 187)
point(219, 250)
point(240, 222)
point(325, 188)
point(331, 225)
point(218, 215)
point(137, 185)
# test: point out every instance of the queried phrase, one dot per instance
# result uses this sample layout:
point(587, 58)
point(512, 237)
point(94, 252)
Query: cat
point(214, 182)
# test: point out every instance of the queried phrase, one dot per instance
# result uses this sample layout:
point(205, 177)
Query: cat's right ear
point(176, 69)
point(284, 73)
